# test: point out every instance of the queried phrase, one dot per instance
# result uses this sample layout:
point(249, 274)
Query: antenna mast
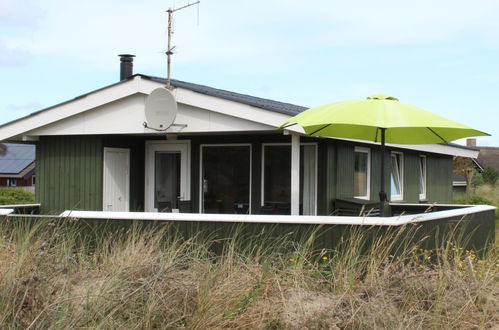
point(169, 51)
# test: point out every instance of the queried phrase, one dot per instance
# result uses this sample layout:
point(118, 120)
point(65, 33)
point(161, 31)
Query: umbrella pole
point(382, 194)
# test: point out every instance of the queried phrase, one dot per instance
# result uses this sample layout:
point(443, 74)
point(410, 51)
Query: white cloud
point(259, 33)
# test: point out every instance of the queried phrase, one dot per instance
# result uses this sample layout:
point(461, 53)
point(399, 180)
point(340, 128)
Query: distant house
point(222, 154)
point(489, 157)
point(459, 185)
point(17, 166)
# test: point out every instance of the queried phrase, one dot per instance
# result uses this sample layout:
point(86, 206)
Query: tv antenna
point(169, 51)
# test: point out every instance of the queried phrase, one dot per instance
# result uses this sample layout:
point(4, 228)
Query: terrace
point(431, 224)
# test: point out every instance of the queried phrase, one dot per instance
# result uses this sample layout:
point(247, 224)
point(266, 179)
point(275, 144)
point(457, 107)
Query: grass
point(56, 276)
point(483, 194)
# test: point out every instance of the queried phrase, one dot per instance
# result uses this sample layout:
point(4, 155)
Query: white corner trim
point(295, 174)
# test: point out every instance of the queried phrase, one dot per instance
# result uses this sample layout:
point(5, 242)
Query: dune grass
point(56, 276)
point(483, 194)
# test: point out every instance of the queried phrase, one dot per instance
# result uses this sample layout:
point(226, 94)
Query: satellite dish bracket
point(164, 129)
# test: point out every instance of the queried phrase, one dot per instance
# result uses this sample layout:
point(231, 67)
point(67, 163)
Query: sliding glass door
point(225, 178)
point(276, 179)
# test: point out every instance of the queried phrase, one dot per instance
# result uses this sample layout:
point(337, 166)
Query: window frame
point(423, 175)
point(368, 174)
point(399, 196)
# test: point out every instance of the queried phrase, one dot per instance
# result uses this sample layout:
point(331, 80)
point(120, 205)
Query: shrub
point(476, 180)
point(15, 196)
point(490, 175)
point(473, 200)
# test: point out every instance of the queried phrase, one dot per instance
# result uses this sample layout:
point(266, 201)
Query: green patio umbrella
point(380, 118)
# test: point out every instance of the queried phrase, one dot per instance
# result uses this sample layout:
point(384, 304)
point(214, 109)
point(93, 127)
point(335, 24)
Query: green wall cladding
point(69, 173)
point(340, 170)
point(69, 170)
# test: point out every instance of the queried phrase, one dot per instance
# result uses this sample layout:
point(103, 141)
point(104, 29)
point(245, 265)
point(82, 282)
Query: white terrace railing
point(284, 219)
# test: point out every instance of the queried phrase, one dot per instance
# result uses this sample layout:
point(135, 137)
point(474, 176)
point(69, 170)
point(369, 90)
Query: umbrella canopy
point(380, 118)
point(364, 120)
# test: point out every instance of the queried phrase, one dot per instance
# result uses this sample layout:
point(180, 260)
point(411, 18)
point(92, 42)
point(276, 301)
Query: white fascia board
point(281, 219)
point(232, 108)
point(222, 106)
point(440, 149)
point(433, 148)
point(50, 121)
point(270, 119)
point(81, 104)
point(129, 113)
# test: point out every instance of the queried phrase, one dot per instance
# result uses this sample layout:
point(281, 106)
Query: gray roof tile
point(281, 107)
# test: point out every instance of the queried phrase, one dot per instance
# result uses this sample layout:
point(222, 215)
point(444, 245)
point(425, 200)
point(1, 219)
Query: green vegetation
point(490, 176)
point(9, 196)
point(58, 276)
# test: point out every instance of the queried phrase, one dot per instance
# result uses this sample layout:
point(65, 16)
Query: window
point(362, 173)
point(276, 179)
point(422, 178)
point(397, 176)
point(11, 182)
point(225, 178)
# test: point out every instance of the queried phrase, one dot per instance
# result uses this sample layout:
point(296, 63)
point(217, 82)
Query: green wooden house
point(223, 154)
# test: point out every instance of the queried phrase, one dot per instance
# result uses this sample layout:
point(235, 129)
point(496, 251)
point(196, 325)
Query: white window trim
point(422, 197)
point(400, 196)
point(148, 186)
point(368, 176)
point(262, 200)
point(201, 146)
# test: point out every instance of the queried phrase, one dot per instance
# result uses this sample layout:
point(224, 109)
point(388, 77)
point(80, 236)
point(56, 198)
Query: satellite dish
point(160, 109)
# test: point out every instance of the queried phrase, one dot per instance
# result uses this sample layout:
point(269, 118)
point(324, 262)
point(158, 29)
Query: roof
point(17, 158)
point(281, 107)
point(489, 156)
point(32, 121)
point(267, 104)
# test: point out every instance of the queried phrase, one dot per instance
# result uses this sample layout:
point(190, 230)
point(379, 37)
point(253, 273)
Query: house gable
point(119, 109)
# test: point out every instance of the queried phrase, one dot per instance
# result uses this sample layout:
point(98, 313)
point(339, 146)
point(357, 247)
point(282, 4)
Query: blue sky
point(439, 55)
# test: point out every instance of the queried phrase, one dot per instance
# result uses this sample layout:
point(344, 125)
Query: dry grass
point(488, 192)
point(54, 277)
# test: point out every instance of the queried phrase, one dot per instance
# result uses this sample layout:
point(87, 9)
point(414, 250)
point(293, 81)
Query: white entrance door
point(167, 178)
point(116, 187)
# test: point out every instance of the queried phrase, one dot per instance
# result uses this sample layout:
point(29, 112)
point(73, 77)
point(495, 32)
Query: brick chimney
point(126, 66)
point(471, 142)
